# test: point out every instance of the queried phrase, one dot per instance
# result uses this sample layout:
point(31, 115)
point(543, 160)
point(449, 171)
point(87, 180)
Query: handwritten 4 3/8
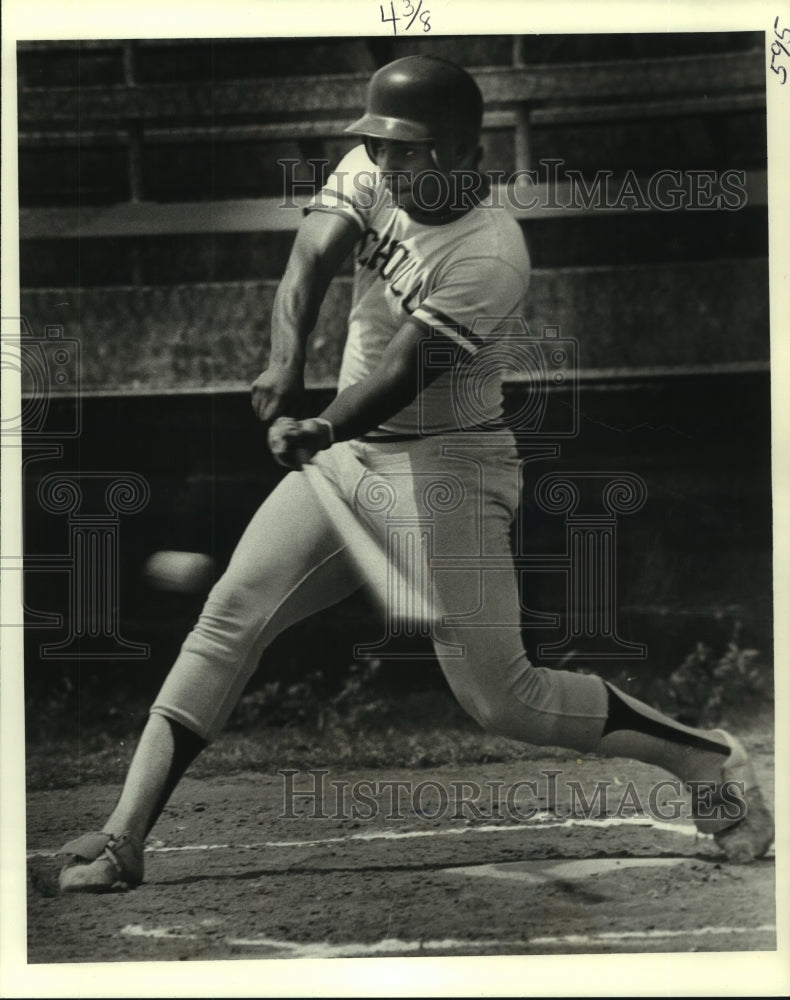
point(409, 12)
point(779, 47)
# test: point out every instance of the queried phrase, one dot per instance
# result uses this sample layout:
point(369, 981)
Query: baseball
point(180, 572)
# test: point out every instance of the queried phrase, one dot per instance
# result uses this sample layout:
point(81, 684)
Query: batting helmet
point(421, 98)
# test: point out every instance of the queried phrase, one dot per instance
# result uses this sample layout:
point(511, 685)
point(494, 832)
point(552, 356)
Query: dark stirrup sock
point(635, 730)
point(186, 746)
point(623, 715)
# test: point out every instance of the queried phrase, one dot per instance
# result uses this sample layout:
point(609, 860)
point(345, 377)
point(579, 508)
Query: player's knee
point(521, 705)
point(490, 709)
point(511, 718)
point(232, 618)
point(497, 717)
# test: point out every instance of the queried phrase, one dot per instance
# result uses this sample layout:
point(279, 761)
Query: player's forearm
point(294, 315)
point(363, 406)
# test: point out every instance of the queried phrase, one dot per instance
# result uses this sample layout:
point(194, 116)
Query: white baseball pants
point(428, 503)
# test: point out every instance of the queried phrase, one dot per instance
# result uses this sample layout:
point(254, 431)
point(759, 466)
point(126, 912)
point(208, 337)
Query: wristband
point(329, 427)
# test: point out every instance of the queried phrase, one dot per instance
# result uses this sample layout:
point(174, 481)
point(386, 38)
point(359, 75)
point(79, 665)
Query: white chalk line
point(577, 868)
point(293, 949)
point(160, 933)
point(543, 822)
point(607, 937)
point(547, 823)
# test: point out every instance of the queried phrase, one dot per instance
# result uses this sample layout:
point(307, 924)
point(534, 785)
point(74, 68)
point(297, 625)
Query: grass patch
point(424, 730)
point(356, 720)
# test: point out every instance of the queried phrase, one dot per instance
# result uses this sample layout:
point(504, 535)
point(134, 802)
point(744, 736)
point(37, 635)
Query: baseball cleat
point(745, 832)
point(101, 862)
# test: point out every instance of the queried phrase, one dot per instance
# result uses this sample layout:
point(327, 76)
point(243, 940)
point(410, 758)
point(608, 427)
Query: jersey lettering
point(387, 271)
point(411, 301)
point(381, 255)
point(394, 264)
point(368, 236)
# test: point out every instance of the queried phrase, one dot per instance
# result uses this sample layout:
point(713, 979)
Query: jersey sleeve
point(474, 299)
point(351, 190)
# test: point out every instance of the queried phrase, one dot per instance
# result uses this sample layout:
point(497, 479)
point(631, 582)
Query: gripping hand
point(294, 442)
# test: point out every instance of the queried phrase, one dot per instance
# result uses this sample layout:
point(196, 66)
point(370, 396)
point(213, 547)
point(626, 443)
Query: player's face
point(410, 174)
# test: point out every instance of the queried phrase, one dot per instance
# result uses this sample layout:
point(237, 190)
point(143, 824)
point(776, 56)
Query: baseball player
point(440, 273)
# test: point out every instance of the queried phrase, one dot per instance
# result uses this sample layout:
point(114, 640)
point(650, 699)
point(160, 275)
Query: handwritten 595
point(780, 48)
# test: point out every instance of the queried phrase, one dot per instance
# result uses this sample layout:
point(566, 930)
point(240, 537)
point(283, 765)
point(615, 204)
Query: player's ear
point(468, 154)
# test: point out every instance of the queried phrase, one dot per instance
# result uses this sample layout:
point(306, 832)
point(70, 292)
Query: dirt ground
point(242, 866)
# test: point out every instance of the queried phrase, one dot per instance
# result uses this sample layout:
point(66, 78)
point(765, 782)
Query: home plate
point(552, 871)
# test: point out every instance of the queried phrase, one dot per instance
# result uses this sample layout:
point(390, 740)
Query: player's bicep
point(323, 241)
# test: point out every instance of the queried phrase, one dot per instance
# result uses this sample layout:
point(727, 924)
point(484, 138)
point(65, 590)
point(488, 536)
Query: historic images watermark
point(93, 504)
point(548, 187)
point(313, 794)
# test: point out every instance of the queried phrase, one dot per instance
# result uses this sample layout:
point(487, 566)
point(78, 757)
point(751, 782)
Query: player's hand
point(294, 442)
point(276, 391)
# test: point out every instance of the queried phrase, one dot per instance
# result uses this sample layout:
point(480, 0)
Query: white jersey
point(464, 278)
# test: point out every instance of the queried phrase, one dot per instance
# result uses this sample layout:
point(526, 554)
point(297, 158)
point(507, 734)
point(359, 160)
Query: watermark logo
point(402, 508)
point(549, 795)
point(91, 562)
point(48, 369)
point(550, 187)
point(542, 371)
point(592, 504)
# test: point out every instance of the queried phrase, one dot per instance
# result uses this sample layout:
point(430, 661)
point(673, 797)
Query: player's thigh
point(478, 629)
point(444, 509)
point(460, 497)
point(476, 596)
point(290, 559)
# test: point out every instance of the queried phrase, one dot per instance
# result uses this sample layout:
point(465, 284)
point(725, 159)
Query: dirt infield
point(452, 861)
